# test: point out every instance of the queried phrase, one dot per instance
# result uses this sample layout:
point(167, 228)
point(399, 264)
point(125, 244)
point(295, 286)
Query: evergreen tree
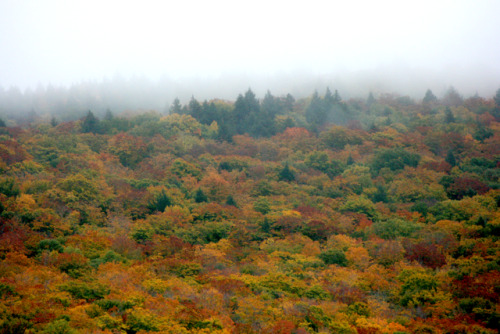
point(176, 107)
point(328, 99)
point(315, 112)
point(448, 116)
point(450, 158)
point(246, 112)
point(429, 97)
point(336, 97)
point(53, 121)
point(195, 109)
point(230, 201)
point(90, 123)
point(289, 102)
point(370, 100)
point(2, 123)
point(109, 115)
point(350, 160)
point(199, 196)
point(160, 202)
point(496, 98)
point(286, 174)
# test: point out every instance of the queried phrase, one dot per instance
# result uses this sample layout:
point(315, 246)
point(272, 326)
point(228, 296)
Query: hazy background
point(221, 48)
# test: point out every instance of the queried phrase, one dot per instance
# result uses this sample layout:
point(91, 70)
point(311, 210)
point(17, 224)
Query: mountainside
point(316, 215)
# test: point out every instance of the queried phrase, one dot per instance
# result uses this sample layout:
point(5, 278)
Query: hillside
point(272, 215)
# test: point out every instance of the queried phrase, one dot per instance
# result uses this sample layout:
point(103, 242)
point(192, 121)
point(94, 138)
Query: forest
point(258, 215)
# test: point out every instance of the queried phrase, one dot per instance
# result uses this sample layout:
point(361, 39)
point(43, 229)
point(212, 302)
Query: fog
point(146, 53)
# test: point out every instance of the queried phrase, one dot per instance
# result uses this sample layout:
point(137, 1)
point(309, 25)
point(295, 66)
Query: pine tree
point(350, 160)
point(109, 115)
point(200, 197)
point(448, 116)
point(370, 100)
point(230, 201)
point(176, 107)
point(496, 98)
point(90, 123)
point(450, 158)
point(429, 97)
point(286, 174)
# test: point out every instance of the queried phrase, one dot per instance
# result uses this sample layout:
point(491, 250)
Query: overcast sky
point(65, 42)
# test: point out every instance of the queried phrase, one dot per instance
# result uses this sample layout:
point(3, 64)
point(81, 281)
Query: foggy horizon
point(220, 49)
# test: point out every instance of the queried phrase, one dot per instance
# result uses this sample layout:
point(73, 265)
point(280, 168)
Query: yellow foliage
point(26, 202)
point(358, 256)
point(341, 242)
point(291, 213)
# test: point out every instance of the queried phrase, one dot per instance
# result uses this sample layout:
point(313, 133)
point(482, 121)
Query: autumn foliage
point(311, 216)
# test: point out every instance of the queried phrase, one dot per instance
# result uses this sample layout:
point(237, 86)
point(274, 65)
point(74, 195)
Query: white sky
point(63, 42)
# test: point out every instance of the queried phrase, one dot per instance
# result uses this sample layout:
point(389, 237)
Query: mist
point(128, 55)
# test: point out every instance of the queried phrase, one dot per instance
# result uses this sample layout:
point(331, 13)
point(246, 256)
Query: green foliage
point(230, 201)
point(49, 245)
point(338, 137)
point(321, 161)
point(394, 228)
point(87, 291)
point(418, 288)
point(90, 123)
point(199, 196)
point(334, 256)
point(9, 187)
point(262, 205)
point(286, 174)
point(182, 168)
point(360, 204)
point(118, 305)
point(60, 326)
point(359, 308)
point(6, 290)
point(429, 97)
point(394, 159)
point(160, 202)
point(110, 256)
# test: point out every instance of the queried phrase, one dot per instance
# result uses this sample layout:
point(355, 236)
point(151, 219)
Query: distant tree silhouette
point(496, 98)
point(90, 123)
point(448, 116)
point(316, 112)
point(176, 107)
point(452, 97)
point(108, 116)
point(429, 97)
point(370, 100)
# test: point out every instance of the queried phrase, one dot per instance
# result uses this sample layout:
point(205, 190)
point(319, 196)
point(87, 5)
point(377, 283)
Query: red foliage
point(168, 246)
point(282, 327)
point(230, 286)
point(438, 166)
point(12, 152)
point(425, 253)
point(483, 285)
point(466, 187)
point(347, 294)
